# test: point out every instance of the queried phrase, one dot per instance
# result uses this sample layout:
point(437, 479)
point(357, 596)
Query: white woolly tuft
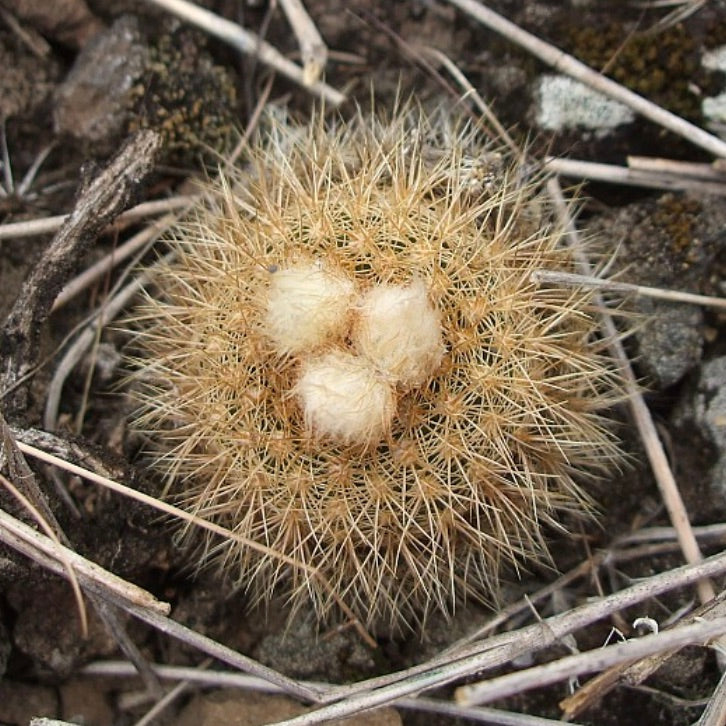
point(344, 399)
point(399, 330)
point(307, 306)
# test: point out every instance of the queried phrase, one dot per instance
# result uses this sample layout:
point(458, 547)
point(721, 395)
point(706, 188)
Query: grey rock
point(301, 652)
point(92, 102)
point(670, 343)
point(563, 103)
point(704, 409)
point(669, 242)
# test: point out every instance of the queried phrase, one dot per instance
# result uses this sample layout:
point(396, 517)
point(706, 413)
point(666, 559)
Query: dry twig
point(84, 341)
point(639, 176)
point(312, 47)
point(57, 558)
point(639, 410)
point(589, 661)
point(32, 227)
point(225, 679)
point(102, 199)
point(247, 43)
point(575, 280)
point(634, 672)
point(503, 648)
point(565, 63)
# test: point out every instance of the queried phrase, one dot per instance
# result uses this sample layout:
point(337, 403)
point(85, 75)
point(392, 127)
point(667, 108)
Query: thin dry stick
point(223, 653)
point(588, 662)
point(169, 698)
point(644, 422)
point(196, 521)
point(225, 679)
point(32, 543)
point(502, 648)
point(526, 603)
point(706, 532)
point(29, 228)
point(85, 340)
point(313, 50)
point(635, 673)
point(136, 243)
point(247, 43)
point(100, 201)
point(575, 280)
point(715, 712)
point(695, 169)
point(687, 8)
point(163, 703)
point(471, 92)
point(60, 551)
point(480, 713)
point(565, 63)
point(640, 552)
point(143, 606)
point(12, 457)
point(614, 174)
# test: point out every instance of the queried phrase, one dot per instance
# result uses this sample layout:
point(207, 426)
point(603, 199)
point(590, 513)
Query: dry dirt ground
point(77, 82)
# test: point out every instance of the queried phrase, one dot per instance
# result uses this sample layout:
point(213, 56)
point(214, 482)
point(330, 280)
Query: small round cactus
point(349, 363)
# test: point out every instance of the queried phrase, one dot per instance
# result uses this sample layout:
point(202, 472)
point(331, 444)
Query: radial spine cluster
point(348, 362)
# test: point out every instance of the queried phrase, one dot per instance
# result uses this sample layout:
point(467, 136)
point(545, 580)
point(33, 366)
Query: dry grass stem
point(31, 38)
point(163, 703)
point(13, 532)
point(649, 178)
point(60, 552)
point(226, 679)
point(575, 280)
point(136, 243)
point(62, 560)
point(697, 170)
point(223, 653)
point(588, 662)
point(312, 47)
point(643, 420)
point(110, 309)
point(715, 712)
point(32, 227)
point(13, 461)
point(191, 519)
point(471, 93)
point(634, 673)
point(683, 10)
point(503, 615)
point(500, 649)
point(480, 714)
point(569, 65)
point(247, 43)
point(101, 200)
point(706, 532)
point(12, 457)
point(168, 699)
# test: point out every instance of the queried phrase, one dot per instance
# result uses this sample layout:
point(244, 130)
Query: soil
point(85, 78)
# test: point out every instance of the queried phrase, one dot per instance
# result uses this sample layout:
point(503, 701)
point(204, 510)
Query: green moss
point(663, 67)
point(185, 96)
point(677, 216)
